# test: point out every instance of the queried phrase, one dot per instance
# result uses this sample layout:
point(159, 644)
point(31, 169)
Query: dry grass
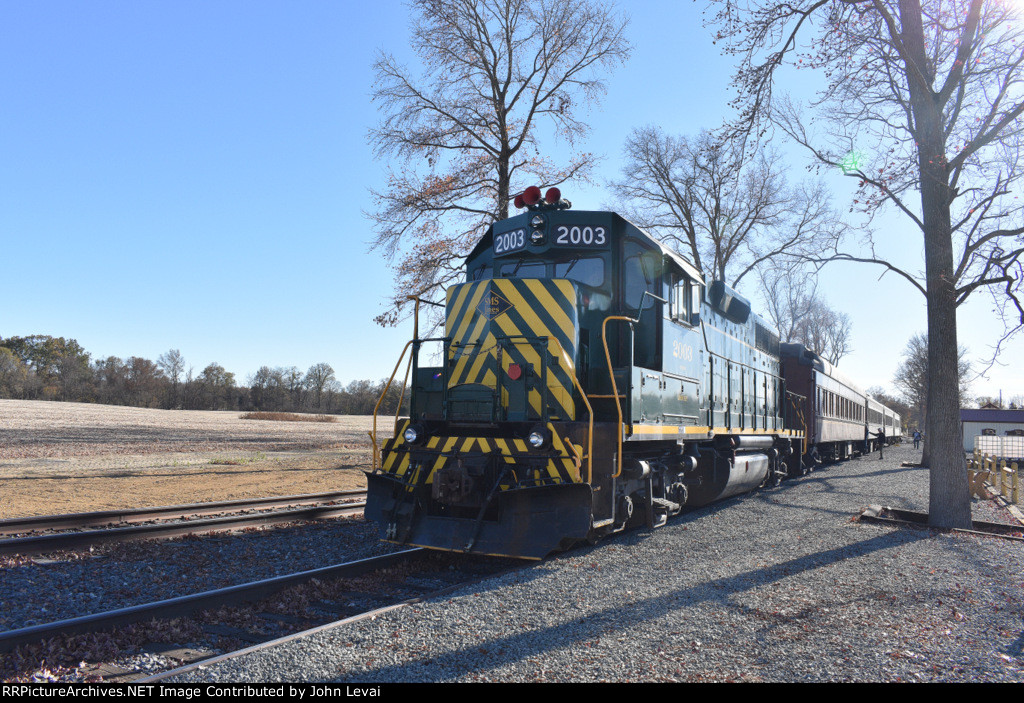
point(288, 417)
point(77, 457)
point(35, 428)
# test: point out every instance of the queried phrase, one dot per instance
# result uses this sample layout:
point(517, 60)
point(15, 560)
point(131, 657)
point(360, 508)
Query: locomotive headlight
point(539, 437)
point(537, 223)
point(414, 434)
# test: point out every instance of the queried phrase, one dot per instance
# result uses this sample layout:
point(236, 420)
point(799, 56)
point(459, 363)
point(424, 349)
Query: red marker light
point(515, 371)
point(531, 196)
point(552, 196)
point(519, 202)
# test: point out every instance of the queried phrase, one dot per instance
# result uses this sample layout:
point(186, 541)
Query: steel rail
point(132, 515)
point(186, 605)
point(365, 615)
point(69, 540)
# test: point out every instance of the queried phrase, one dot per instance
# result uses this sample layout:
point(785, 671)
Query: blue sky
point(193, 175)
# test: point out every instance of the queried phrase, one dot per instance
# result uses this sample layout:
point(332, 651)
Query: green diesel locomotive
point(588, 380)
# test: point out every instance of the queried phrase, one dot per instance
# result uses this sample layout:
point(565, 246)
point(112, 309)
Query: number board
point(510, 242)
point(587, 236)
point(568, 235)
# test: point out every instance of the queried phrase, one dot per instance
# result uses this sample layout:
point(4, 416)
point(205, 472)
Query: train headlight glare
point(536, 439)
point(411, 435)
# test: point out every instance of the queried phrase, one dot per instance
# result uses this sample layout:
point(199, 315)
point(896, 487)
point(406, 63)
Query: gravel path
point(780, 585)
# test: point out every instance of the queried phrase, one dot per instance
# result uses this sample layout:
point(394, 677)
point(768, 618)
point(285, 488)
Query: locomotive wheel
point(625, 511)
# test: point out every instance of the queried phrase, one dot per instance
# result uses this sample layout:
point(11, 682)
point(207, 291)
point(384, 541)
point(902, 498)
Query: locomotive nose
point(512, 350)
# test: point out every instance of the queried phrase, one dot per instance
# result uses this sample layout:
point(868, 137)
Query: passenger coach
point(841, 420)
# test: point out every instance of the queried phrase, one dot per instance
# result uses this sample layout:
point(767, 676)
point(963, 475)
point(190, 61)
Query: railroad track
point(427, 574)
point(72, 531)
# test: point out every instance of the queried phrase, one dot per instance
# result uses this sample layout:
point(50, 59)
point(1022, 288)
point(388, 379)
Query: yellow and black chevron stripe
point(565, 468)
point(480, 312)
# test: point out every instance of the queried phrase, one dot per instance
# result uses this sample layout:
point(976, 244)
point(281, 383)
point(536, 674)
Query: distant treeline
point(40, 367)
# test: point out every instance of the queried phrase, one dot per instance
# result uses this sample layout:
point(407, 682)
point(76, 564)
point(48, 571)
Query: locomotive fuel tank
point(724, 474)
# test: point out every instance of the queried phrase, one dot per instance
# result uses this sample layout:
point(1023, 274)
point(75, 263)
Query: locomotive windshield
point(585, 270)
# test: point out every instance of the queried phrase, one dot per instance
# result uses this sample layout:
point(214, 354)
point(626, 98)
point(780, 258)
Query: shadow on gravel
point(1016, 649)
point(517, 647)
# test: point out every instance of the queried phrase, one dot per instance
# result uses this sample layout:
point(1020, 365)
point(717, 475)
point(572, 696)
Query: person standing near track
point(881, 441)
point(917, 438)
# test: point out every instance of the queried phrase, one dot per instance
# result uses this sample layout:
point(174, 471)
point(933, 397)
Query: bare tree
point(109, 377)
point(466, 129)
point(172, 364)
point(789, 292)
point(318, 376)
point(825, 331)
point(216, 387)
point(731, 213)
point(983, 400)
point(143, 380)
point(911, 381)
point(295, 384)
point(16, 378)
point(922, 105)
point(800, 314)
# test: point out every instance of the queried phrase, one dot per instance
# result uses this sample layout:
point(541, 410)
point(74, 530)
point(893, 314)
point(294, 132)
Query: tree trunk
point(949, 494)
point(922, 424)
point(504, 184)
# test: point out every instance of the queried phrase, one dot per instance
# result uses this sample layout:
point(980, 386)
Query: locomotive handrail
point(373, 434)
point(615, 388)
point(611, 371)
point(387, 387)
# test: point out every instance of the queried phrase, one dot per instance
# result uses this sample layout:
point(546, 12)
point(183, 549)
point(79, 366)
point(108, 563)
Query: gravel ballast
point(39, 590)
point(778, 585)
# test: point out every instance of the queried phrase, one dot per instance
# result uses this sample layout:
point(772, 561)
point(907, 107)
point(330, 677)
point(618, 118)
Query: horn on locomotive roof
point(552, 200)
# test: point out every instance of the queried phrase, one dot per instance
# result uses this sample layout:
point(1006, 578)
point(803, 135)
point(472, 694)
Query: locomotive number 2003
point(682, 351)
point(576, 236)
point(509, 241)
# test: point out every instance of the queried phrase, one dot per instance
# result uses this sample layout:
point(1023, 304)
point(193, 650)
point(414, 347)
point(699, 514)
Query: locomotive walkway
point(780, 585)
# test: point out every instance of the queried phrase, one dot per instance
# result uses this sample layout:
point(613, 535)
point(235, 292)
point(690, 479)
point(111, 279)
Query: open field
point(76, 457)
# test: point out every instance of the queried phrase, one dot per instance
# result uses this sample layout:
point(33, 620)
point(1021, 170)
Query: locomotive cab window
point(639, 274)
point(524, 268)
point(588, 270)
point(681, 299)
